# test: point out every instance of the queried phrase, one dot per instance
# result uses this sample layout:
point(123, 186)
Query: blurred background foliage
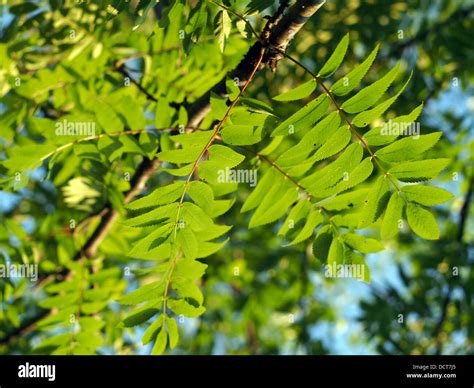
point(261, 298)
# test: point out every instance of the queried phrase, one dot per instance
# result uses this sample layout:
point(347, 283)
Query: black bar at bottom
point(137, 371)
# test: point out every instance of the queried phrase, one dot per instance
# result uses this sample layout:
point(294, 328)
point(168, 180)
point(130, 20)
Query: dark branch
point(125, 73)
point(280, 37)
point(23, 329)
point(288, 27)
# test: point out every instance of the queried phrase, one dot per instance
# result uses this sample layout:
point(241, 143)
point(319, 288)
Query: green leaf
point(54, 341)
point(422, 222)
point(298, 93)
point(365, 118)
point(189, 269)
point(181, 171)
point(187, 155)
point(281, 196)
point(355, 258)
point(417, 171)
point(256, 105)
point(336, 142)
point(336, 253)
point(352, 79)
point(297, 213)
point(144, 293)
point(106, 116)
point(87, 151)
point(378, 136)
point(298, 154)
point(181, 307)
point(198, 24)
point(213, 232)
point(333, 172)
point(149, 143)
point(223, 28)
point(139, 316)
point(202, 194)
point(374, 203)
point(218, 106)
point(187, 289)
point(151, 331)
point(258, 6)
point(93, 307)
point(233, 90)
point(130, 145)
point(111, 147)
point(336, 58)
point(303, 118)
point(322, 131)
point(263, 186)
point(88, 342)
point(142, 10)
point(322, 243)
point(314, 219)
point(368, 96)
point(132, 112)
point(362, 244)
point(225, 155)
point(393, 217)
point(160, 196)
point(151, 247)
point(91, 324)
point(192, 139)
point(60, 300)
point(346, 200)
point(27, 157)
point(241, 134)
point(173, 332)
point(160, 342)
point(426, 195)
point(163, 113)
point(186, 239)
point(221, 206)
point(157, 216)
point(408, 147)
point(352, 178)
point(209, 248)
point(196, 218)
